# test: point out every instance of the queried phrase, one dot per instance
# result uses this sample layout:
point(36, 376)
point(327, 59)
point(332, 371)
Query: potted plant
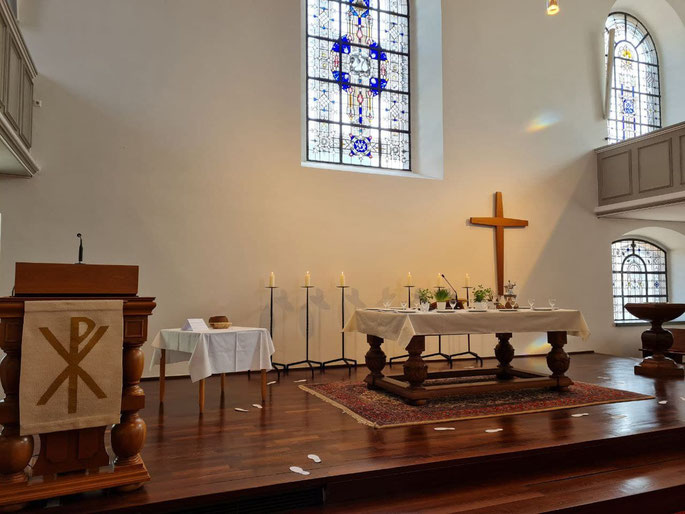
point(442, 296)
point(481, 297)
point(425, 297)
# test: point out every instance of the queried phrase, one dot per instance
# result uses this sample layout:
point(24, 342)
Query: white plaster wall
point(169, 136)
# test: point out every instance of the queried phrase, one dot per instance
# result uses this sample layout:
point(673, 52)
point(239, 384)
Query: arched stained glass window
point(636, 91)
point(358, 94)
point(639, 275)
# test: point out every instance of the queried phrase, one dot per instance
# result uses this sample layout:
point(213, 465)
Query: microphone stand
point(80, 248)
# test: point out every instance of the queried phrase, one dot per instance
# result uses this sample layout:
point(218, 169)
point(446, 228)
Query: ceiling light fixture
point(552, 7)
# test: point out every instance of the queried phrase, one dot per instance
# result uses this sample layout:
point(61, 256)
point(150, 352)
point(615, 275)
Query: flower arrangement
point(425, 295)
point(442, 295)
point(482, 294)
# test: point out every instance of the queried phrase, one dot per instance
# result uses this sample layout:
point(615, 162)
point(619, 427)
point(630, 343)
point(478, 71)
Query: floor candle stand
point(468, 337)
point(276, 365)
point(307, 360)
point(350, 363)
point(409, 288)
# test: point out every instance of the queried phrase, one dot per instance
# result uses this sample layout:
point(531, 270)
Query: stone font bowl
point(657, 312)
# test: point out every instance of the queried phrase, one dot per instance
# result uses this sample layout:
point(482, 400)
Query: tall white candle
point(467, 281)
point(272, 280)
point(439, 283)
point(307, 279)
point(342, 278)
point(410, 281)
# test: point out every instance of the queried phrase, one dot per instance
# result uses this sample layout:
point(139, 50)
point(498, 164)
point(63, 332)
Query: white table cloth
point(401, 327)
point(209, 352)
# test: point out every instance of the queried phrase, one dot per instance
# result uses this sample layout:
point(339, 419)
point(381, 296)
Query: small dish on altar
point(507, 310)
point(406, 311)
point(543, 309)
point(445, 311)
point(374, 309)
point(477, 310)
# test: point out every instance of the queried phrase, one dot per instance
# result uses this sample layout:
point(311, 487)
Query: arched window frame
point(653, 273)
point(639, 101)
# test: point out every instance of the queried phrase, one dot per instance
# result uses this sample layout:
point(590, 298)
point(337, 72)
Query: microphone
point(456, 295)
point(80, 248)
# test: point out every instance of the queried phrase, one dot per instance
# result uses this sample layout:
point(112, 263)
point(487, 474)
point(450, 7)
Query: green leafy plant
point(481, 294)
point(442, 295)
point(425, 295)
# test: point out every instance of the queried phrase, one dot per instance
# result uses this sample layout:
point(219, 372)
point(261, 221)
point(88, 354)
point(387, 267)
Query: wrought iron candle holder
point(409, 288)
point(307, 360)
point(348, 362)
point(275, 365)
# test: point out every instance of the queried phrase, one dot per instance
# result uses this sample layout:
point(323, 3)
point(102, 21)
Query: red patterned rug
point(379, 409)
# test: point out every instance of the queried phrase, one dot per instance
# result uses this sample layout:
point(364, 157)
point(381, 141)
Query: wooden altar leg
point(223, 383)
point(375, 360)
point(263, 386)
point(15, 450)
point(128, 437)
point(201, 396)
point(162, 375)
point(415, 369)
point(558, 360)
point(505, 354)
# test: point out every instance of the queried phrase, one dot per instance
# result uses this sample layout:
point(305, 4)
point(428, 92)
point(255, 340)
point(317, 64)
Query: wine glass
point(531, 303)
point(453, 303)
point(552, 302)
point(387, 303)
point(403, 305)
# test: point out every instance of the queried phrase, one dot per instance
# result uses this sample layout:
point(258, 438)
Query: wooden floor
point(539, 462)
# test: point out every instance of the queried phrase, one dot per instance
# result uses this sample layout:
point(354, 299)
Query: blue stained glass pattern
point(358, 82)
point(635, 107)
point(639, 271)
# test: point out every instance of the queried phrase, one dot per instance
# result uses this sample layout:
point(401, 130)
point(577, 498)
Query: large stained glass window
point(639, 276)
point(636, 92)
point(358, 83)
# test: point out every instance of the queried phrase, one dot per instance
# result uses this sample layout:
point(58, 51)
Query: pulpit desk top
point(74, 450)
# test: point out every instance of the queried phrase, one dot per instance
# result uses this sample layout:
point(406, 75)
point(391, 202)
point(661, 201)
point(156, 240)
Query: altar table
point(208, 352)
point(411, 329)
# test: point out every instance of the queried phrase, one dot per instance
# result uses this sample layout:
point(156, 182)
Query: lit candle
point(410, 282)
point(272, 280)
point(467, 281)
point(342, 279)
point(307, 279)
point(439, 284)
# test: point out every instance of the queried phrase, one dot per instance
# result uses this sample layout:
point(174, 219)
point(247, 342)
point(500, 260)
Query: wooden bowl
point(659, 312)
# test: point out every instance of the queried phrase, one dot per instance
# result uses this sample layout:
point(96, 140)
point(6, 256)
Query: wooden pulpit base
point(412, 388)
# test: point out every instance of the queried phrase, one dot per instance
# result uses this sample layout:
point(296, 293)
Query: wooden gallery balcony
point(644, 177)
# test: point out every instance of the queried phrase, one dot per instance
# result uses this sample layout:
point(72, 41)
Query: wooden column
point(504, 352)
point(15, 450)
point(375, 360)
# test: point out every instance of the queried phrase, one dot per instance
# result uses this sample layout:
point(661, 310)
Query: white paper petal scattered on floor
point(620, 383)
point(619, 416)
point(439, 429)
point(256, 406)
point(604, 378)
point(314, 457)
point(682, 398)
point(494, 430)
point(271, 383)
point(240, 410)
point(663, 402)
point(298, 469)
point(580, 414)
point(298, 381)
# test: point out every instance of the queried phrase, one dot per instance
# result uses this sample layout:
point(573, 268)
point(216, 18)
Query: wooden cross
point(499, 223)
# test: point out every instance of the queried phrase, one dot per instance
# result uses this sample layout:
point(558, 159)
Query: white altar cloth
point(210, 351)
point(401, 327)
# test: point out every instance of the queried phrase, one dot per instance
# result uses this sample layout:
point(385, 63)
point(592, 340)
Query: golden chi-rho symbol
point(73, 359)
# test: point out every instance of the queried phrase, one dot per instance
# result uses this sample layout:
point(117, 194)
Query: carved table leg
point(505, 354)
point(128, 437)
point(375, 360)
point(558, 360)
point(15, 450)
point(415, 369)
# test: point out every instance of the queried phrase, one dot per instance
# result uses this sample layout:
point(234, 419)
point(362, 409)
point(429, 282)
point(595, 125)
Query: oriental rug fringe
point(379, 409)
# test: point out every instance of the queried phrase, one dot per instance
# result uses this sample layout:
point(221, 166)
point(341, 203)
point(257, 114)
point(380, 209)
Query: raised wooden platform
point(226, 460)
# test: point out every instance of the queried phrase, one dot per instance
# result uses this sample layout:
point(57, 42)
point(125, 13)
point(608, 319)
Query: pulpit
point(76, 460)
